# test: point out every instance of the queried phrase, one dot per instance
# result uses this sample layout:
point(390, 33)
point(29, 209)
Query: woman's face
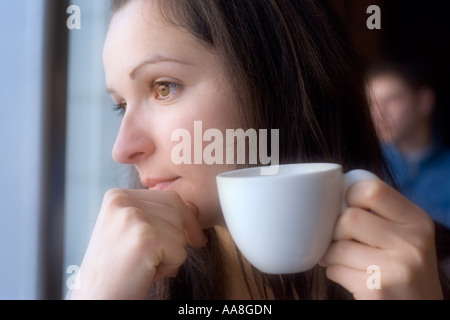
point(164, 79)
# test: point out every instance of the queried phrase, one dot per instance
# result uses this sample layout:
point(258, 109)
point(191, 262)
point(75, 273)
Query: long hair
point(293, 72)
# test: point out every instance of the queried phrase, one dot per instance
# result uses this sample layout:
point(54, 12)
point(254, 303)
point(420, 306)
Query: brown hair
point(297, 76)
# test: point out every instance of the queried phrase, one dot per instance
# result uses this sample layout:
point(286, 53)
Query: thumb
point(192, 227)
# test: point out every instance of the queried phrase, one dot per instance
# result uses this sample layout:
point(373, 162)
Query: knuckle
point(374, 191)
point(115, 198)
point(112, 192)
point(130, 215)
point(350, 218)
point(145, 236)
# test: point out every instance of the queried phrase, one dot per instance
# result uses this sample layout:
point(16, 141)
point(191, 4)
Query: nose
point(134, 141)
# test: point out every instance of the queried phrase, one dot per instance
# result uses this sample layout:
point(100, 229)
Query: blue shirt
point(425, 179)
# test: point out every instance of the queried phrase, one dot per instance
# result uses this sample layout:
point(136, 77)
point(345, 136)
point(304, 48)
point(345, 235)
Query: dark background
point(413, 31)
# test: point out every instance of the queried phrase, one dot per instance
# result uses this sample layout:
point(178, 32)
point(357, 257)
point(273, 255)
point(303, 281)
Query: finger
point(154, 211)
point(144, 199)
point(353, 255)
point(383, 200)
point(174, 256)
point(172, 231)
point(368, 228)
point(193, 229)
point(362, 284)
point(168, 198)
point(187, 221)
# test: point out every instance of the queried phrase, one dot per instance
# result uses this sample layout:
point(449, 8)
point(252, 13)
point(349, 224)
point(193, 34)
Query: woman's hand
point(384, 229)
point(140, 237)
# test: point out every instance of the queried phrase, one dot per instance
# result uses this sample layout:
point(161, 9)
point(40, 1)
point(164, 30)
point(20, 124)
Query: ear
point(426, 99)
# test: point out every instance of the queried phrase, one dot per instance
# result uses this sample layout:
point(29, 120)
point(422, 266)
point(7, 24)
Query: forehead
point(387, 83)
point(138, 32)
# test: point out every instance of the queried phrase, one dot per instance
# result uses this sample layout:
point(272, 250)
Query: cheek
point(402, 115)
point(393, 113)
point(195, 117)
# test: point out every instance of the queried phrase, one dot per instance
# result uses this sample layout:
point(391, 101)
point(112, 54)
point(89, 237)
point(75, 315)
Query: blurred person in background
point(403, 108)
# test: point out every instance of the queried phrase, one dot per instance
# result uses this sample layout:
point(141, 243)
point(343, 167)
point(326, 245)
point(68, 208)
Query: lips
point(160, 184)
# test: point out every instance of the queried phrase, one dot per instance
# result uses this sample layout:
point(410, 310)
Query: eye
point(165, 90)
point(120, 108)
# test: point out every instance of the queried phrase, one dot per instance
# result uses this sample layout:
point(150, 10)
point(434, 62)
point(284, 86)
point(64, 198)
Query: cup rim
point(307, 169)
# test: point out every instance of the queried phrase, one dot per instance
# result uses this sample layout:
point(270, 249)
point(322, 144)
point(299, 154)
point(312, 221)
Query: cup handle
point(353, 177)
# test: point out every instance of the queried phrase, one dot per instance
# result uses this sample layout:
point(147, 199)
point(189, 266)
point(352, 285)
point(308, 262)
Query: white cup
point(284, 223)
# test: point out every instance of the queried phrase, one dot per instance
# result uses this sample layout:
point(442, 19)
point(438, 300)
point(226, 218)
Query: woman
point(241, 64)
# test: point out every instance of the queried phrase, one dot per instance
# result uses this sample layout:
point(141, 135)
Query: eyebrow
point(155, 60)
